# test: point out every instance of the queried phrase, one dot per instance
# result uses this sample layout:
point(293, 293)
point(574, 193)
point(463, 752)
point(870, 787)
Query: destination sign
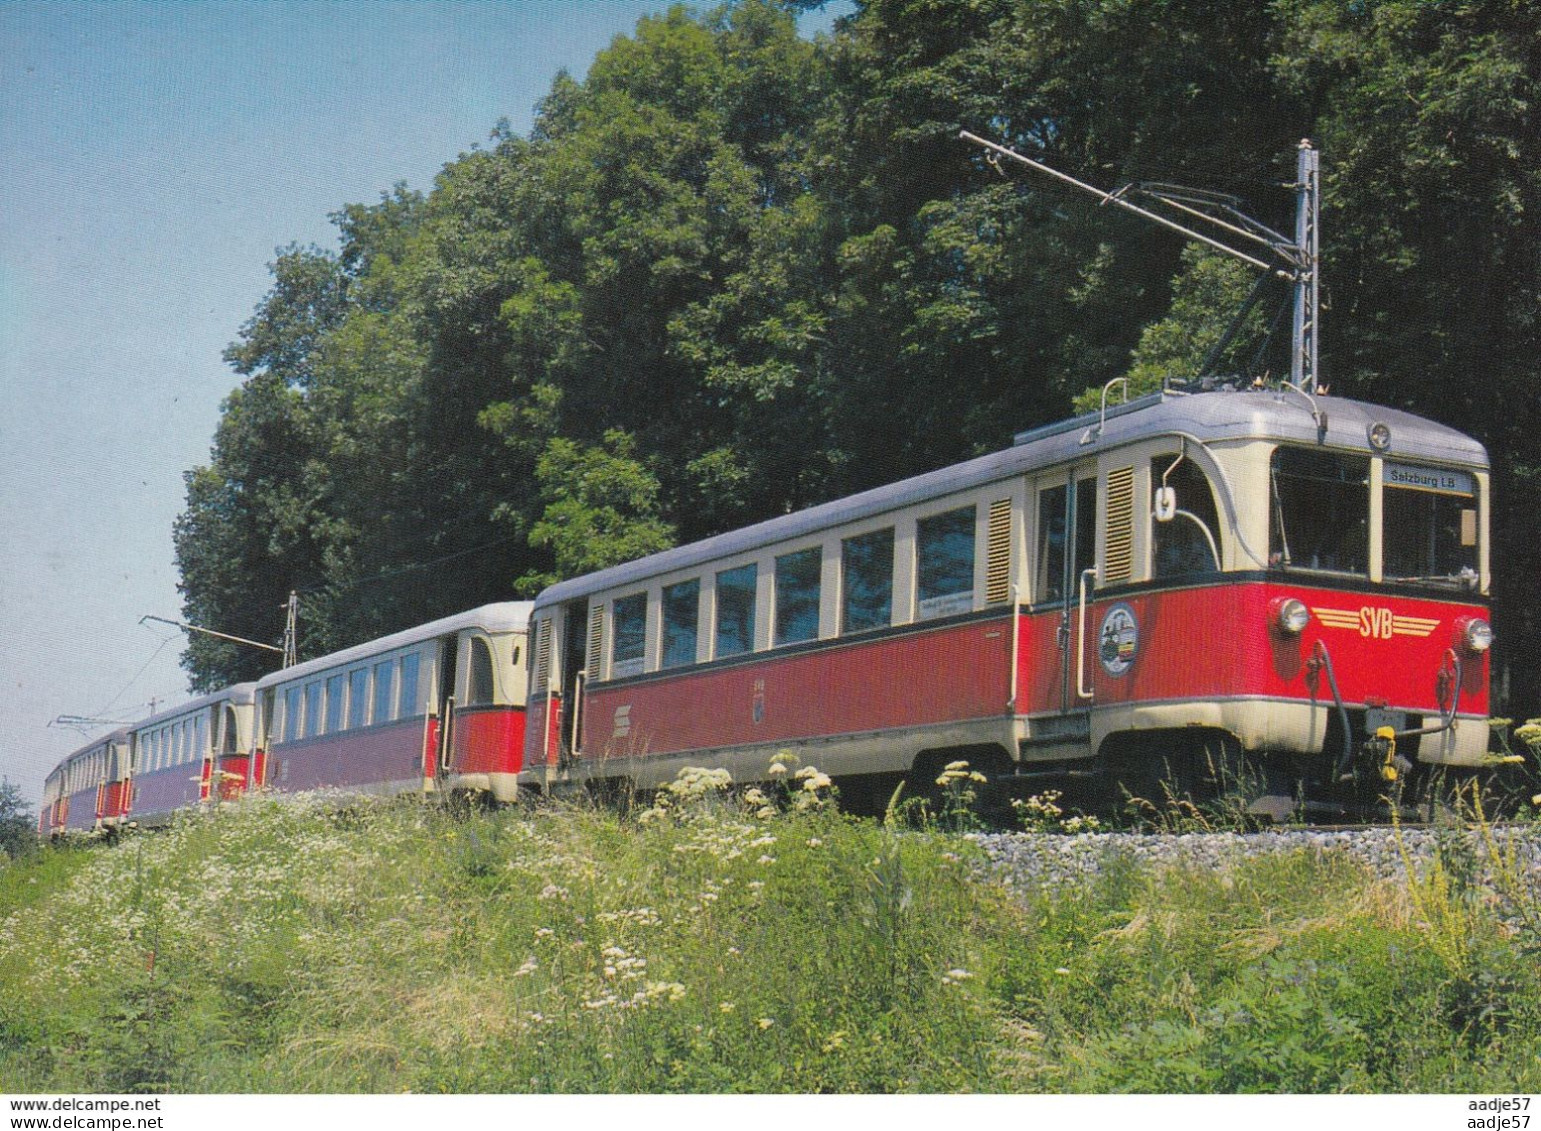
point(1427, 479)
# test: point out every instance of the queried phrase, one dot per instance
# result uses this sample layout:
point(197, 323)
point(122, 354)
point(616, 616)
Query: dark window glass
point(358, 697)
point(292, 714)
point(797, 596)
point(1052, 512)
point(867, 580)
point(1321, 511)
point(481, 690)
point(944, 563)
point(629, 639)
point(1430, 536)
point(313, 697)
point(681, 611)
point(384, 677)
point(410, 705)
point(735, 610)
point(1183, 545)
point(335, 687)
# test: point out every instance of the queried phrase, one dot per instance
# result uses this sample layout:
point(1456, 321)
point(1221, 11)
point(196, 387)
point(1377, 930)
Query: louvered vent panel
point(998, 554)
point(596, 638)
point(1119, 563)
point(543, 656)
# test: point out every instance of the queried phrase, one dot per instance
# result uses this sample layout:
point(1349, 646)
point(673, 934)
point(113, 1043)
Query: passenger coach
point(197, 752)
point(436, 707)
point(1259, 571)
point(86, 791)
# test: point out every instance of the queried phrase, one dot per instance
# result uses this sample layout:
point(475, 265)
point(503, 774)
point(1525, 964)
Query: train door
point(1067, 549)
point(575, 642)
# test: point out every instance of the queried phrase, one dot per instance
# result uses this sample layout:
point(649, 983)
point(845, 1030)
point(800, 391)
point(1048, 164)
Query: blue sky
point(152, 158)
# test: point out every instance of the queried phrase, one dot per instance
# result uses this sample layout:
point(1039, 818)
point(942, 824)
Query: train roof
point(502, 616)
point(1331, 422)
point(120, 735)
point(238, 693)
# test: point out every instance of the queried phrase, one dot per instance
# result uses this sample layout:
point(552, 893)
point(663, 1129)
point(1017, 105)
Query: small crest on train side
point(1118, 641)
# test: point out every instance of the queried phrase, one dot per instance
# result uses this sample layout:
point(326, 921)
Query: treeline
point(732, 273)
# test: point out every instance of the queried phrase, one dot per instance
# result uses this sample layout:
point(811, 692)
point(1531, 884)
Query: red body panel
point(1216, 642)
point(116, 799)
point(488, 740)
point(916, 678)
point(541, 721)
point(234, 776)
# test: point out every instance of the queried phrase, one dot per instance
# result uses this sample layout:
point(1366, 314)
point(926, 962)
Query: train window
point(735, 610)
point(201, 736)
point(292, 729)
point(336, 690)
point(1060, 560)
point(1430, 525)
point(628, 638)
point(229, 736)
point(681, 613)
point(1052, 516)
point(867, 581)
point(358, 697)
point(269, 703)
point(944, 563)
point(384, 677)
point(1188, 542)
point(313, 700)
point(410, 704)
point(1320, 513)
point(797, 595)
point(481, 688)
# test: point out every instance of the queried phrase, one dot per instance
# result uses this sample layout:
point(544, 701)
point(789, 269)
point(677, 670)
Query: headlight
point(1476, 634)
point(1290, 615)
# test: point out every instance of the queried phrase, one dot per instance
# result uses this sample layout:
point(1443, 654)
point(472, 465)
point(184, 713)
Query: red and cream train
point(1299, 580)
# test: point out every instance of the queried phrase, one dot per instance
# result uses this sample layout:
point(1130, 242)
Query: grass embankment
point(723, 947)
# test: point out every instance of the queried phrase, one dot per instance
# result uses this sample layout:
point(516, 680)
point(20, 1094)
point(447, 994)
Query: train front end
point(1308, 584)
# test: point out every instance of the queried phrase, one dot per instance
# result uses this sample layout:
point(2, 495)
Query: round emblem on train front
point(1118, 641)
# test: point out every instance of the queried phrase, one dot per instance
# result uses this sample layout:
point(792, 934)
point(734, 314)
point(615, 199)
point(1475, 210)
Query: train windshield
point(1430, 526)
point(1320, 518)
point(1320, 508)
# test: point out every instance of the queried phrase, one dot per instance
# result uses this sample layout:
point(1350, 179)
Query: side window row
point(171, 744)
point(381, 692)
point(944, 585)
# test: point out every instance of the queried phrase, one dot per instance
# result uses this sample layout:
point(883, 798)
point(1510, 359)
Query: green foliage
point(18, 827)
point(601, 508)
point(333, 944)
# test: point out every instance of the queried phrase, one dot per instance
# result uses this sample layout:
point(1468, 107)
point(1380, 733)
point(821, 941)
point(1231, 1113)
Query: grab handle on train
point(1081, 689)
point(580, 685)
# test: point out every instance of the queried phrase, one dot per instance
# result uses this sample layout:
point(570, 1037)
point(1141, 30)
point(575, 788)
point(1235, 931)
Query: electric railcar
point(1298, 580)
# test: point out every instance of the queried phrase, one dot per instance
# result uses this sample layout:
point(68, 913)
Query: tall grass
point(715, 942)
